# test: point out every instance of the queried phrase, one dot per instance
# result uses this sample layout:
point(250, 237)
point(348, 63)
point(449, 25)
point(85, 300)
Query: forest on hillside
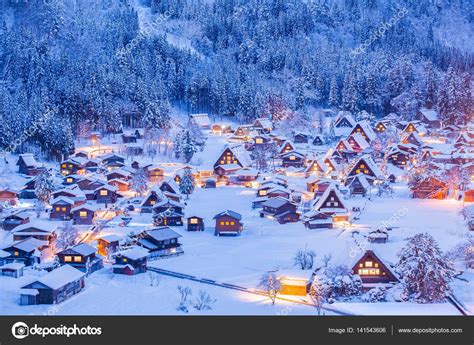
point(91, 61)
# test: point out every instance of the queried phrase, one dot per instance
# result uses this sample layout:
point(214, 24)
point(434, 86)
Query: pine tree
point(44, 187)
point(186, 185)
point(187, 147)
point(333, 93)
point(139, 182)
point(426, 272)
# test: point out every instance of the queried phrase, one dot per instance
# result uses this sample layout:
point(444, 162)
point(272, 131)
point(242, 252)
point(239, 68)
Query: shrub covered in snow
point(377, 294)
point(340, 282)
point(426, 272)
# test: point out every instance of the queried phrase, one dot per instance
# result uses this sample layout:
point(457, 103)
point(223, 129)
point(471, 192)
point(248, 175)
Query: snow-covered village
point(158, 159)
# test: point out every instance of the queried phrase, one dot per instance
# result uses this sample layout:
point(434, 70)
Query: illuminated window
point(376, 264)
point(368, 264)
point(357, 171)
point(63, 165)
point(83, 214)
point(362, 166)
point(69, 180)
point(361, 265)
point(262, 192)
point(226, 223)
point(232, 223)
point(124, 260)
point(70, 165)
point(292, 158)
point(16, 253)
point(64, 209)
point(369, 272)
point(77, 259)
point(193, 221)
point(58, 209)
point(152, 202)
point(222, 223)
point(366, 171)
point(259, 141)
point(103, 192)
point(68, 258)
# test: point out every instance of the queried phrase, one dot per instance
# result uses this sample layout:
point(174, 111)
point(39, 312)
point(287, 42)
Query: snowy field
point(264, 245)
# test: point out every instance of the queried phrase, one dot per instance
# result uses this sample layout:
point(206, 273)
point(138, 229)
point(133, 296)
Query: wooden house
point(373, 270)
point(301, 138)
point(429, 117)
point(411, 127)
point(294, 282)
point(358, 184)
point(263, 125)
point(83, 214)
point(397, 157)
point(228, 223)
point(150, 201)
point(366, 165)
point(380, 127)
point(155, 173)
point(71, 180)
point(170, 186)
point(231, 159)
point(74, 193)
point(201, 120)
point(358, 142)
point(318, 140)
point(280, 209)
point(168, 213)
point(332, 203)
point(9, 196)
point(121, 185)
point(378, 236)
point(216, 129)
point(43, 231)
point(90, 184)
point(108, 244)
point(293, 159)
point(364, 129)
point(160, 242)
point(430, 188)
point(130, 261)
point(195, 223)
point(27, 251)
point(61, 208)
point(82, 256)
point(28, 190)
point(54, 287)
point(119, 174)
point(92, 165)
point(412, 138)
point(343, 123)
point(16, 219)
point(106, 194)
point(242, 132)
point(316, 167)
point(317, 220)
point(261, 139)
point(13, 269)
point(286, 147)
point(113, 160)
point(73, 166)
point(27, 165)
point(128, 138)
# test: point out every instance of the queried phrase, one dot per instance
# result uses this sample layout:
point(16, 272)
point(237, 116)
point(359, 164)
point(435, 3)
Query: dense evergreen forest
point(90, 61)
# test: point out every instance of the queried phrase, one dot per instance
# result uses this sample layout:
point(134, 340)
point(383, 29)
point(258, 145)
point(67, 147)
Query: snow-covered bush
point(425, 271)
point(341, 282)
point(377, 294)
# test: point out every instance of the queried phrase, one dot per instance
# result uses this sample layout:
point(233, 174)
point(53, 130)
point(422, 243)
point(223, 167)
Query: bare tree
point(185, 292)
point(203, 301)
point(271, 285)
point(67, 237)
point(305, 259)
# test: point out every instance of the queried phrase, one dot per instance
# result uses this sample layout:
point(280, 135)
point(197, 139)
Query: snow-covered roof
point(264, 123)
point(319, 203)
point(429, 114)
point(28, 245)
point(371, 164)
point(84, 207)
point(111, 238)
point(83, 249)
point(228, 213)
point(241, 154)
point(367, 128)
point(362, 179)
point(29, 159)
point(293, 153)
point(247, 172)
point(276, 202)
point(60, 277)
point(4, 254)
point(62, 199)
point(360, 140)
point(133, 253)
point(12, 266)
point(37, 224)
point(163, 233)
point(201, 120)
point(345, 115)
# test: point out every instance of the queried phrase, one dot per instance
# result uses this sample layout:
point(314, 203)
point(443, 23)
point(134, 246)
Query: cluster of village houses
point(334, 166)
